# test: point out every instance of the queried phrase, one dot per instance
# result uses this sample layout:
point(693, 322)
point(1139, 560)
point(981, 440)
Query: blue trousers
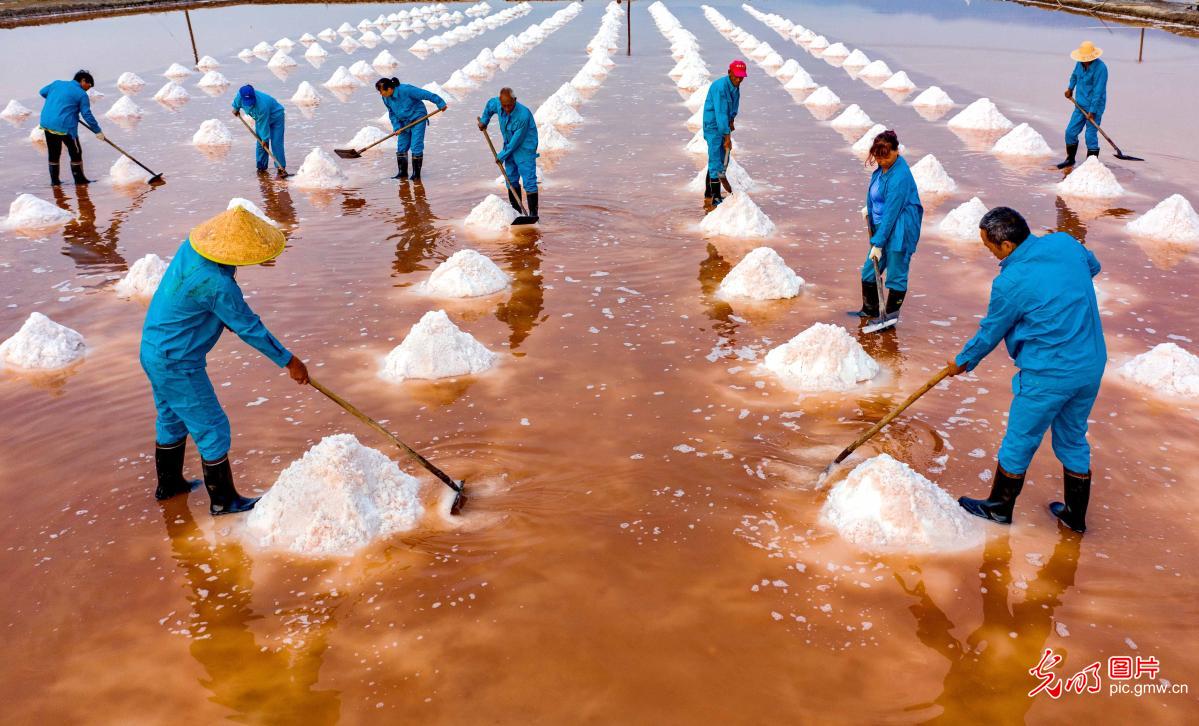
point(1037, 407)
point(894, 265)
point(522, 167)
point(716, 166)
point(413, 139)
point(274, 139)
point(1077, 123)
point(187, 404)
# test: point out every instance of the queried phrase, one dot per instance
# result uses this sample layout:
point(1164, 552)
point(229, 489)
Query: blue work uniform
point(405, 105)
point(269, 117)
point(1043, 307)
point(1090, 91)
point(66, 102)
point(519, 154)
point(720, 108)
point(196, 300)
point(895, 227)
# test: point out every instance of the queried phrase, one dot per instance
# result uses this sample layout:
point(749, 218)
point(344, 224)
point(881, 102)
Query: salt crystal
point(931, 177)
point(30, 212)
point(822, 96)
point(1090, 180)
point(42, 344)
point(738, 178)
point(737, 216)
point(172, 93)
point(213, 79)
point(466, 273)
point(856, 59)
point(15, 111)
point(861, 147)
point(760, 275)
point(316, 52)
point(130, 82)
point(143, 277)
point(306, 95)
point(385, 60)
point(252, 208)
point(436, 348)
point(898, 82)
point(319, 171)
point(801, 81)
point(852, 118)
point(876, 69)
point(1172, 220)
point(177, 71)
point(491, 215)
point(342, 78)
point(207, 63)
point(824, 357)
point(982, 115)
point(1023, 141)
point(1166, 369)
point(836, 50)
point(962, 221)
point(125, 172)
point(124, 108)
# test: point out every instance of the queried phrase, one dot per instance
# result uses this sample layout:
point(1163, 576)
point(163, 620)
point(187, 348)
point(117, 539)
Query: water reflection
point(712, 270)
point(1068, 221)
point(94, 250)
point(522, 258)
point(276, 201)
point(417, 235)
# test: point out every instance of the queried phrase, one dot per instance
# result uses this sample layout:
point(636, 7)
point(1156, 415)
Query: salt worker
point(519, 155)
point(197, 299)
point(404, 104)
point(1043, 307)
point(720, 110)
point(1088, 88)
point(893, 215)
point(269, 121)
point(66, 103)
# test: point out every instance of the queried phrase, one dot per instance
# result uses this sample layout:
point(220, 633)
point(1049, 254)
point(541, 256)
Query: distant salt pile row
point(1166, 369)
point(822, 358)
point(436, 348)
point(42, 344)
point(475, 28)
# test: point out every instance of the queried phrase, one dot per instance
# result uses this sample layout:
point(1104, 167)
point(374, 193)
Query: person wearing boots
point(1088, 88)
point(270, 118)
point(720, 109)
point(519, 155)
point(893, 215)
point(66, 103)
point(405, 104)
point(1043, 307)
point(197, 299)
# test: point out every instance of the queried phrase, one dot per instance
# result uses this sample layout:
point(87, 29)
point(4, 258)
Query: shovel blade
point(1126, 157)
point(156, 179)
point(522, 220)
point(882, 323)
point(347, 153)
point(459, 499)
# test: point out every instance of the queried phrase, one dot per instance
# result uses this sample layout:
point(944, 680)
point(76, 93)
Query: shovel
point(154, 179)
point(264, 145)
point(458, 486)
point(357, 153)
point(1119, 154)
point(883, 321)
point(883, 422)
point(524, 218)
point(724, 180)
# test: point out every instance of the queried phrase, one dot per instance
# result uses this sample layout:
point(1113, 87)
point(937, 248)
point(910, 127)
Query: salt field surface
point(643, 540)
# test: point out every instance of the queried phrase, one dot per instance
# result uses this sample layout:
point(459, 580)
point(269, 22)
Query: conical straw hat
point(1086, 52)
point(237, 237)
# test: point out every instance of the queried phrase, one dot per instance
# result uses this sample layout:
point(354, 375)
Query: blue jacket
point(721, 106)
point(196, 300)
point(1090, 86)
point(266, 112)
point(66, 101)
point(518, 129)
point(405, 104)
point(902, 211)
point(1043, 307)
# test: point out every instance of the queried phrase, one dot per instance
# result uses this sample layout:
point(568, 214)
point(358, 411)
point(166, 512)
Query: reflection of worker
point(1043, 307)
point(85, 245)
point(66, 103)
point(519, 155)
point(1088, 88)
point(269, 121)
point(277, 203)
point(720, 110)
point(405, 104)
point(712, 270)
point(520, 313)
point(416, 234)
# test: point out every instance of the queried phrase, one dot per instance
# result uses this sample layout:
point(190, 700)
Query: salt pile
point(281, 60)
point(557, 113)
point(213, 79)
point(491, 215)
point(42, 344)
point(861, 147)
point(760, 275)
point(737, 216)
point(801, 81)
point(385, 60)
point(252, 208)
point(370, 39)
point(366, 136)
point(962, 221)
point(143, 277)
point(822, 96)
point(245, 55)
point(15, 111)
point(1167, 369)
point(836, 50)
point(30, 212)
point(316, 52)
point(550, 139)
point(1172, 220)
point(475, 70)
point(822, 358)
point(466, 274)
point(207, 63)
point(349, 45)
point(1091, 180)
point(264, 49)
point(788, 70)
point(345, 28)
point(818, 43)
point(124, 172)
point(212, 132)
point(856, 59)
point(177, 71)
point(584, 81)
point(883, 505)
point(898, 82)
point(130, 82)
point(307, 38)
point(1022, 141)
point(436, 348)
point(738, 178)
point(434, 87)
point(569, 95)
point(362, 69)
point(852, 118)
point(328, 35)
point(982, 115)
point(459, 83)
point(342, 78)
point(172, 93)
point(931, 177)
point(336, 499)
point(772, 61)
point(124, 108)
point(37, 137)
point(306, 95)
point(285, 44)
point(319, 171)
point(876, 69)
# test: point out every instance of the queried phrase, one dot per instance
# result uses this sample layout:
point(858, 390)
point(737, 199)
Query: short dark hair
point(81, 76)
point(1004, 223)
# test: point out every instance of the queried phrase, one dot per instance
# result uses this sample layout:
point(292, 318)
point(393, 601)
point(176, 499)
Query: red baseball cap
point(737, 68)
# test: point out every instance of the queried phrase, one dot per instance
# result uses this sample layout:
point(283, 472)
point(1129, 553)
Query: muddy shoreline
point(1181, 18)
point(44, 12)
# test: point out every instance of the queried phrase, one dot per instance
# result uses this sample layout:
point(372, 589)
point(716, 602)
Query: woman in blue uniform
point(405, 104)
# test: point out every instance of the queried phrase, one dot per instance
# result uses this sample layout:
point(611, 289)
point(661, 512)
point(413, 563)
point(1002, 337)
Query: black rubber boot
point(77, 173)
point(1092, 152)
point(416, 164)
point(168, 464)
point(222, 496)
point(1073, 513)
point(709, 193)
point(532, 199)
point(895, 301)
point(54, 180)
point(997, 507)
point(869, 302)
point(717, 197)
point(1071, 152)
point(514, 198)
point(402, 166)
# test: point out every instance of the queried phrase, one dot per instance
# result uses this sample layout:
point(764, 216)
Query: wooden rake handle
point(932, 382)
point(397, 132)
point(261, 143)
point(504, 174)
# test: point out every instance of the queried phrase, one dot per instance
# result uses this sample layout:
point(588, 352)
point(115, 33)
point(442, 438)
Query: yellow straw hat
point(1086, 52)
point(237, 237)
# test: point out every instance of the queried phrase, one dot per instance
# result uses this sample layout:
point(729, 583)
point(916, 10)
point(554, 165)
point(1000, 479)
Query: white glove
point(101, 136)
point(876, 253)
point(865, 214)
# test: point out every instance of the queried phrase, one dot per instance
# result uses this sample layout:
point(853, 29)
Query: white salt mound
point(15, 111)
point(124, 108)
point(883, 505)
point(1167, 369)
point(319, 171)
point(962, 221)
point(898, 82)
point(466, 273)
point(143, 277)
point(385, 60)
point(366, 136)
point(1091, 180)
point(342, 78)
point(822, 358)
point(213, 132)
point(213, 79)
point(1172, 220)
point(30, 212)
point(737, 216)
point(306, 95)
point(932, 97)
point(172, 93)
point(554, 111)
point(856, 59)
point(982, 115)
point(550, 139)
point(177, 71)
point(252, 208)
point(316, 52)
point(124, 172)
point(336, 499)
point(822, 96)
point(861, 147)
point(852, 118)
point(739, 178)
point(436, 348)
point(362, 69)
point(491, 215)
point(760, 275)
point(876, 69)
point(788, 70)
point(931, 177)
point(836, 50)
point(569, 95)
point(130, 81)
point(42, 344)
point(207, 63)
point(281, 60)
point(1022, 141)
point(800, 81)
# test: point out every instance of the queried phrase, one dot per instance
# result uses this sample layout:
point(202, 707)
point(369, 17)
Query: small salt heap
point(42, 344)
point(15, 111)
point(584, 81)
point(124, 109)
point(737, 216)
point(37, 136)
point(1172, 220)
point(177, 72)
point(856, 59)
point(214, 80)
point(130, 82)
point(281, 60)
point(319, 171)
point(285, 44)
point(252, 208)
point(349, 45)
point(801, 81)
point(336, 499)
point(931, 178)
point(306, 95)
point(876, 69)
point(491, 215)
point(822, 96)
point(30, 212)
point(1022, 141)
point(822, 358)
point(342, 78)
point(883, 505)
point(555, 112)
point(788, 70)
point(124, 172)
point(466, 274)
point(172, 93)
point(1091, 180)
point(738, 178)
point(898, 82)
point(1167, 369)
point(932, 97)
point(436, 348)
point(852, 118)
point(385, 61)
point(207, 63)
point(307, 38)
point(362, 70)
point(213, 132)
point(962, 222)
point(316, 53)
point(836, 50)
point(459, 83)
point(569, 95)
point(550, 139)
point(143, 277)
point(760, 275)
point(264, 49)
point(861, 147)
point(982, 115)
point(366, 136)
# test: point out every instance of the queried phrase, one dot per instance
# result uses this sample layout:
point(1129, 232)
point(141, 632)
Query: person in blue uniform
point(196, 301)
point(519, 155)
point(1088, 88)
point(269, 121)
point(720, 110)
point(405, 104)
point(66, 103)
point(1043, 308)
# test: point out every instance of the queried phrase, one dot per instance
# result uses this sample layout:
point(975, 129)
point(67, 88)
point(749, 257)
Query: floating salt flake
point(306, 95)
point(931, 178)
point(737, 216)
point(824, 357)
point(852, 118)
point(124, 110)
point(1166, 369)
point(15, 111)
point(1022, 141)
point(738, 178)
point(436, 348)
point(130, 82)
point(876, 69)
point(42, 344)
point(1090, 180)
point(932, 97)
point(1172, 220)
point(466, 273)
point(982, 115)
point(28, 212)
point(124, 172)
point(252, 208)
point(822, 96)
point(962, 222)
point(143, 277)
point(492, 215)
point(172, 93)
point(342, 78)
point(760, 275)
point(177, 72)
point(898, 82)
